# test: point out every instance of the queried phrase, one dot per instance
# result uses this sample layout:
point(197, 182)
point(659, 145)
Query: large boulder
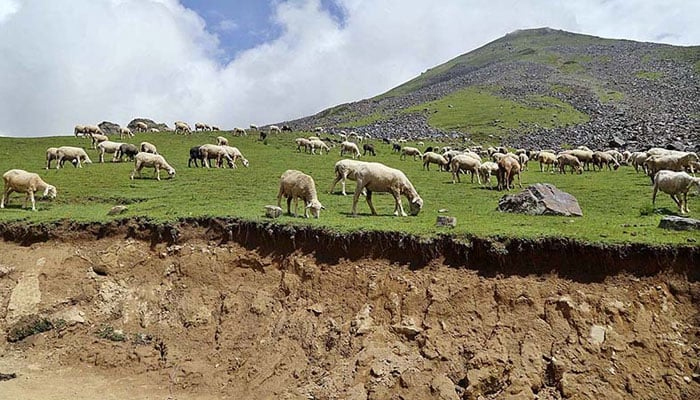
point(541, 199)
point(109, 128)
point(679, 223)
point(151, 124)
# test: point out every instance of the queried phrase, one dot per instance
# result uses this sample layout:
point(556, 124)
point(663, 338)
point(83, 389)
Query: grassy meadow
point(616, 205)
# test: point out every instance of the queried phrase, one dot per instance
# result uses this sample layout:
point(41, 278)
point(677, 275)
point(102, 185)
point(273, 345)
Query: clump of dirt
point(209, 314)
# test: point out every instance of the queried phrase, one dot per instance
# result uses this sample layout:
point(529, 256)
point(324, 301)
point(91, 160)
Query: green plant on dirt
point(29, 327)
point(649, 75)
point(109, 333)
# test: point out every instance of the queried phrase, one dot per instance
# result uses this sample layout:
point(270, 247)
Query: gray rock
point(273, 211)
point(116, 210)
point(679, 223)
point(109, 128)
point(446, 221)
point(541, 199)
point(151, 124)
point(616, 142)
point(597, 334)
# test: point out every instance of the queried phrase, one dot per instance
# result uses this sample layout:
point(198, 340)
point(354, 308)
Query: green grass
point(481, 113)
point(611, 201)
point(363, 121)
point(648, 75)
point(609, 96)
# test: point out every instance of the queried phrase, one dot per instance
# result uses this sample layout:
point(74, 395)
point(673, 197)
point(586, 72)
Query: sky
point(240, 62)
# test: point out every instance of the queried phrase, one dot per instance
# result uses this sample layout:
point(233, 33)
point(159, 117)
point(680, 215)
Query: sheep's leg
point(678, 202)
point(31, 197)
point(369, 202)
point(356, 196)
point(157, 169)
point(653, 195)
point(685, 202)
point(398, 208)
point(289, 204)
point(5, 197)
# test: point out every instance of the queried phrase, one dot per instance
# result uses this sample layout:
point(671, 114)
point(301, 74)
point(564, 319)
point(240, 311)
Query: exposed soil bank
point(213, 309)
point(568, 258)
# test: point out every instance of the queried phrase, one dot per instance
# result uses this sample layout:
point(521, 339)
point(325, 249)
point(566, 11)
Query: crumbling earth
point(118, 317)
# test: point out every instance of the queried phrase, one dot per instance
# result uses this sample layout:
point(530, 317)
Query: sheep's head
point(245, 162)
point(416, 205)
point(50, 191)
point(171, 172)
point(315, 206)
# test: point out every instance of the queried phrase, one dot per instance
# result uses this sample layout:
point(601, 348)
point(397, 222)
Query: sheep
point(508, 168)
point(126, 149)
point(377, 177)
point(286, 128)
point(51, 154)
point(154, 130)
point(253, 127)
point(319, 129)
point(547, 159)
point(211, 151)
point(148, 148)
point(125, 132)
point(570, 160)
point(72, 154)
point(603, 158)
point(141, 126)
point(297, 185)
point(486, 170)
point(239, 132)
point(368, 148)
point(21, 181)
point(79, 129)
point(523, 159)
point(410, 151)
point(221, 141)
point(275, 129)
point(350, 147)
point(675, 183)
point(395, 148)
point(313, 138)
point(449, 155)
point(235, 155)
point(194, 156)
point(182, 127)
point(151, 160)
point(303, 142)
point(97, 139)
point(344, 169)
point(199, 126)
point(421, 144)
point(93, 130)
point(674, 162)
point(354, 135)
point(637, 159)
point(319, 144)
point(216, 128)
point(463, 162)
point(583, 154)
point(616, 155)
point(584, 148)
point(434, 158)
point(108, 147)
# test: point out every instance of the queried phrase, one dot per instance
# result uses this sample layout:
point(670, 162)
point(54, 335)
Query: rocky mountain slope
point(617, 92)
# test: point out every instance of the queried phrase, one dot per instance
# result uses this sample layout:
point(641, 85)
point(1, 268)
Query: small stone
point(597, 335)
point(446, 221)
point(116, 210)
point(273, 211)
point(679, 223)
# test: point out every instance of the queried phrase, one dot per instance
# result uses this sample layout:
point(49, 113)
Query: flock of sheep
point(666, 168)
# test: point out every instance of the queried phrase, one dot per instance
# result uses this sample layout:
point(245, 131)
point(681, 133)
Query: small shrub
point(29, 327)
point(108, 332)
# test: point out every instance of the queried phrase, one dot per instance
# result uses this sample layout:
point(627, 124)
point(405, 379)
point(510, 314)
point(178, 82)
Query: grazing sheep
point(313, 138)
point(672, 162)
point(221, 141)
point(303, 142)
point(253, 127)
point(486, 170)
point(239, 132)
point(275, 129)
point(319, 144)
point(125, 132)
point(410, 151)
point(523, 159)
point(51, 154)
point(216, 128)
point(584, 148)
point(126, 149)
point(182, 127)
point(637, 159)
point(675, 183)
point(211, 151)
point(584, 155)
point(235, 156)
point(194, 156)
point(318, 129)
point(141, 126)
point(434, 158)
point(199, 126)
point(564, 160)
point(450, 154)
point(395, 148)
point(286, 128)
point(151, 160)
point(377, 177)
point(148, 148)
point(297, 185)
point(344, 169)
point(97, 139)
point(463, 162)
point(263, 135)
point(547, 159)
point(154, 130)
point(108, 147)
point(79, 129)
point(72, 154)
point(93, 130)
point(368, 148)
point(508, 168)
point(350, 147)
point(603, 158)
point(617, 156)
point(21, 181)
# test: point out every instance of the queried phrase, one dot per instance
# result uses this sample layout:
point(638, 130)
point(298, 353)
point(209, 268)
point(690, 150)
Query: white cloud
point(120, 59)
point(226, 25)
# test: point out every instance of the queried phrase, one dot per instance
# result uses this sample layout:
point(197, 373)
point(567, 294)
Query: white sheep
point(350, 147)
point(523, 160)
point(637, 159)
point(125, 132)
point(463, 162)
point(151, 160)
point(239, 132)
point(344, 169)
point(253, 127)
point(97, 139)
point(215, 128)
point(547, 159)
point(21, 181)
point(434, 158)
point(601, 158)
point(508, 168)
point(182, 127)
point(319, 144)
point(141, 126)
point(148, 148)
point(566, 159)
point(275, 129)
point(303, 142)
point(297, 185)
point(675, 183)
point(673, 162)
point(211, 151)
point(377, 177)
point(108, 147)
point(79, 129)
point(236, 155)
point(154, 130)
point(73, 154)
point(410, 151)
point(51, 154)
point(486, 170)
point(199, 126)
point(221, 141)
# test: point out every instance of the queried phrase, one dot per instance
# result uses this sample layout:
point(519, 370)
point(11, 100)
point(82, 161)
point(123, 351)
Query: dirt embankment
point(223, 308)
